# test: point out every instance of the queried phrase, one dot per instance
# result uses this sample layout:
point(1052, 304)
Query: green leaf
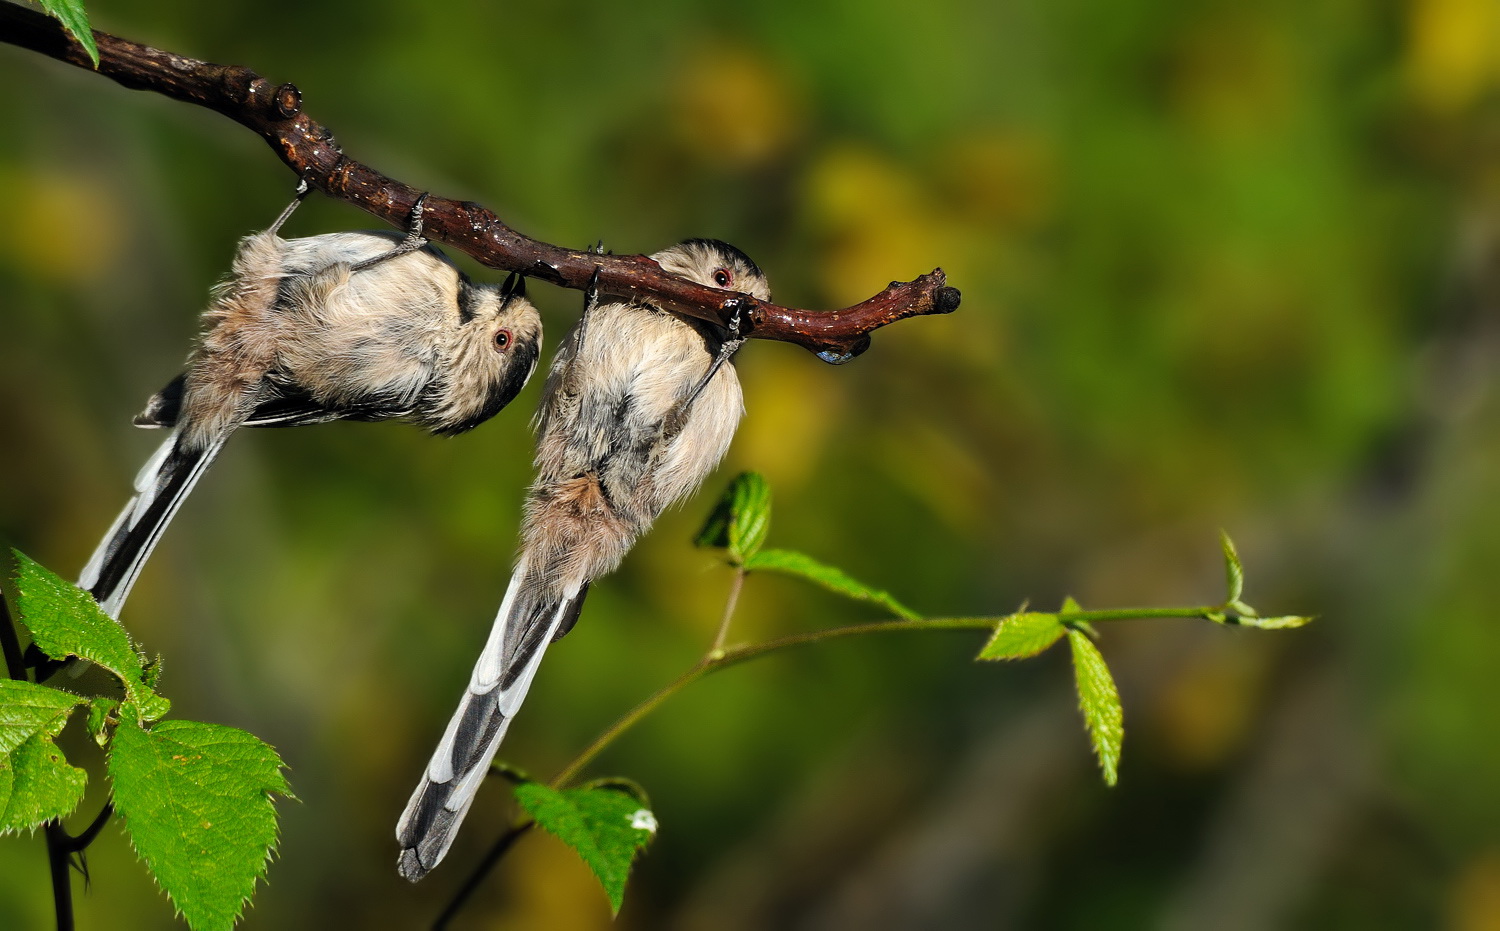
point(1023, 634)
point(27, 710)
point(741, 519)
point(715, 532)
point(750, 515)
point(789, 562)
point(76, 20)
point(64, 621)
point(1099, 702)
point(1234, 573)
point(1286, 622)
point(102, 712)
point(196, 801)
point(36, 782)
point(605, 826)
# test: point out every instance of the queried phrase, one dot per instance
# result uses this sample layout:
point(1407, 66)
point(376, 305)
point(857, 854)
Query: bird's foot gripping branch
point(275, 113)
point(609, 821)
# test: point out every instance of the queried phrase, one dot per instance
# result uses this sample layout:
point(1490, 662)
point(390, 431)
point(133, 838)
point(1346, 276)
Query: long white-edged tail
point(532, 615)
point(162, 484)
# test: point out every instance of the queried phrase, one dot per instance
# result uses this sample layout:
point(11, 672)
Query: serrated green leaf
point(1286, 622)
point(1023, 634)
point(715, 532)
point(37, 783)
point(750, 515)
point(65, 621)
point(197, 804)
point(151, 672)
point(607, 827)
point(741, 519)
point(76, 20)
point(101, 711)
point(1234, 572)
point(1100, 703)
point(790, 562)
point(27, 709)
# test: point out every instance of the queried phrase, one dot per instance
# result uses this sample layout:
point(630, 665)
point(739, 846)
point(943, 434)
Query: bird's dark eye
point(502, 340)
point(722, 278)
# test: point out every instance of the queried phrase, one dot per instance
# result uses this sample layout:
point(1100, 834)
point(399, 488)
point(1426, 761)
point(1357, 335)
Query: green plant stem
point(734, 598)
point(1200, 613)
point(718, 658)
point(630, 718)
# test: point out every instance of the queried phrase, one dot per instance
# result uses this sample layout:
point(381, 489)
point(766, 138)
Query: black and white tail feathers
point(532, 616)
point(164, 483)
point(160, 488)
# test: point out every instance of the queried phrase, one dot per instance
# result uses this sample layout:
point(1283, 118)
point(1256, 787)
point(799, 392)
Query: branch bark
point(275, 113)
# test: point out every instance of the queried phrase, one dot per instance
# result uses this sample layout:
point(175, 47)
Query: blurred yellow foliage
point(1236, 77)
point(1474, 900)
point(1454, 51)
point(876, 219)
point(1203, 713)
point(733, 107)
point(914, 448)
point(63, 224)
point(550, 888)
point(798, 400)
point(1000, 177)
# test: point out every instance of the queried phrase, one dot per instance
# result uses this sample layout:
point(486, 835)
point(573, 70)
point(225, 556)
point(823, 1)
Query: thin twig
point(719, 658)
point(729, 606)
point(81, 841)
point(716, 659)
point(58, 857)
point(58, 841)
point(723, 659)
point(15, 664)
point(309, 148)
point(629, 720)
point(477, 877)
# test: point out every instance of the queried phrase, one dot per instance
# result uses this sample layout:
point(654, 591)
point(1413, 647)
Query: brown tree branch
point(275, 113)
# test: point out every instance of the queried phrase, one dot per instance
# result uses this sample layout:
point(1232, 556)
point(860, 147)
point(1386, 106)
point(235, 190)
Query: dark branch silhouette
point(275, 113)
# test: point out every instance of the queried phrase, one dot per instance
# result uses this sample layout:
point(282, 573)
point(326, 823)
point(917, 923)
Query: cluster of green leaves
point(609, 822)
point(742, 519)
point(1028, 633)
point(195, 798)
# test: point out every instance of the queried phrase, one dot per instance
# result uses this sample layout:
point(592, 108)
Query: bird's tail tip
point(409, 864)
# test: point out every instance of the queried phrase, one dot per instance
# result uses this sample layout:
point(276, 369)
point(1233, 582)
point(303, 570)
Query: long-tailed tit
point(639, 407)
point(356, 326)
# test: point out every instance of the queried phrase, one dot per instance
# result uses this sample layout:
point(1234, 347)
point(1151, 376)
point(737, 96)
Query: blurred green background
point(1224, 265)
